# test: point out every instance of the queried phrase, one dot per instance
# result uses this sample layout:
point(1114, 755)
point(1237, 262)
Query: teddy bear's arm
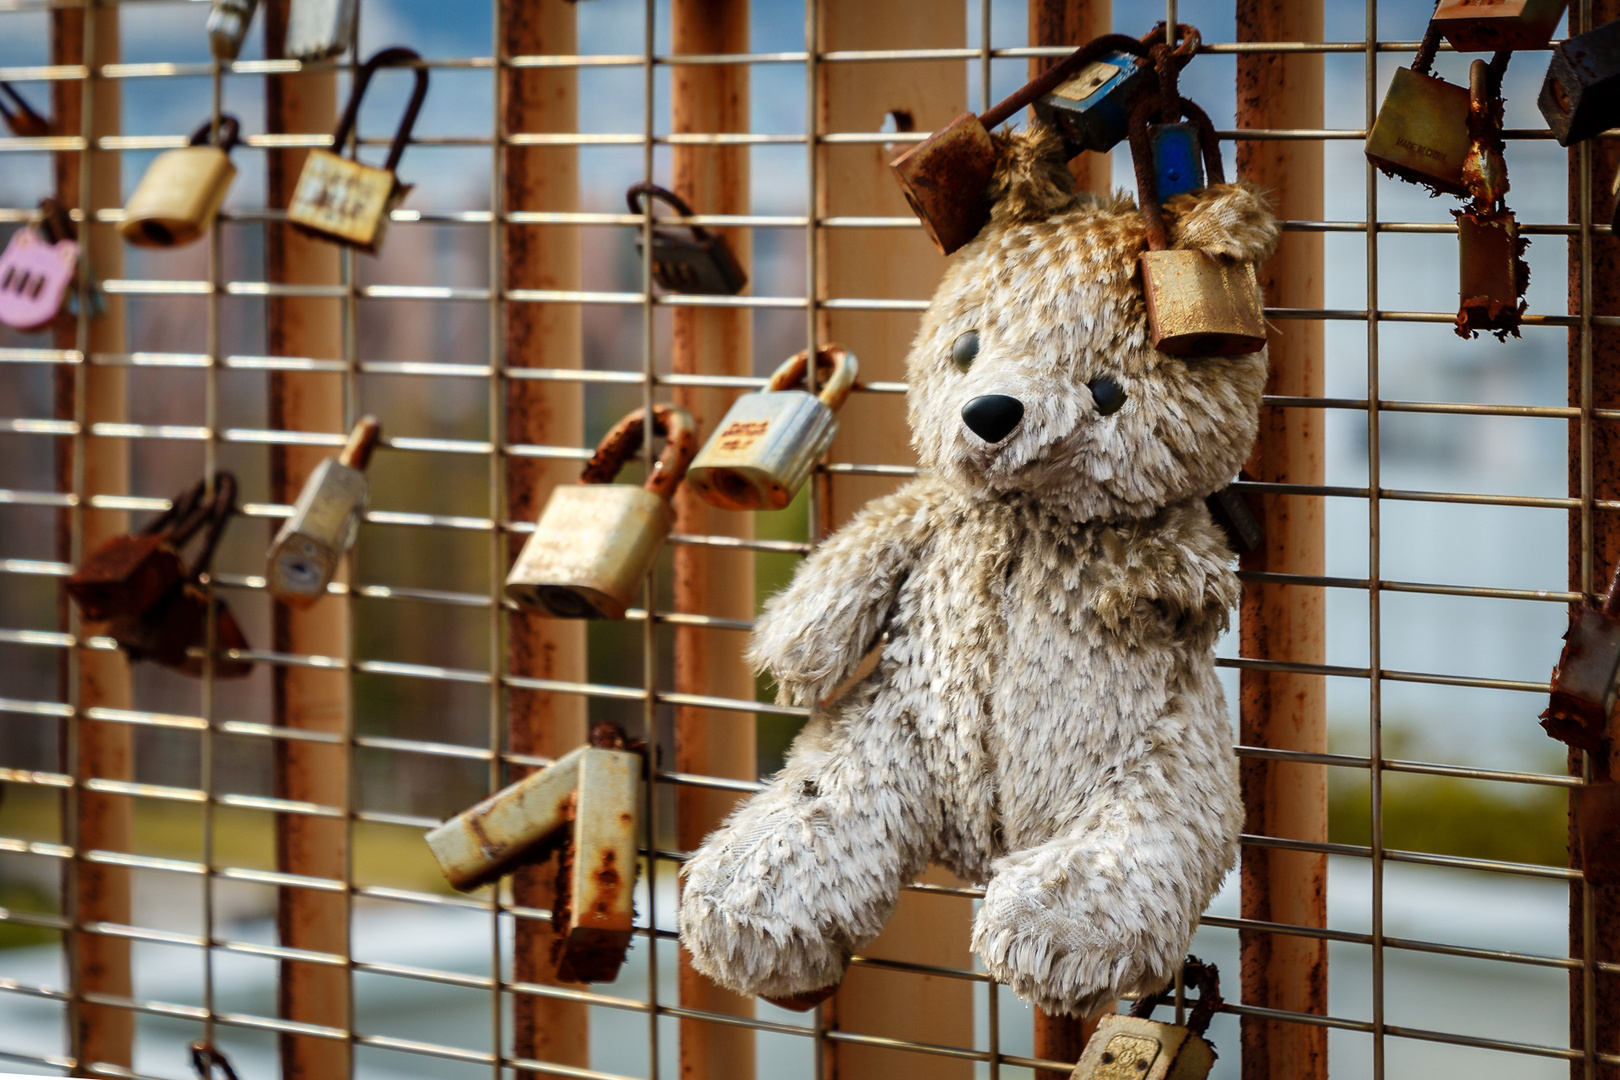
point(813, 634)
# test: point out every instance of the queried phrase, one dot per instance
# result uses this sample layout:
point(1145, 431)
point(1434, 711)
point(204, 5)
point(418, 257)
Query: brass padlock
point(325, 521)
point(1586, 681)
point(1580, 96)
point(1421, 132)
point(1197, 304)
point(687, 260)
point(1493, 275)
point(182, 190)
point(338, 198)
point(946, 177)
point(763, 451)
point(317, 29)
point(128, 574)
point(1495, 25)
point(586, 805)
point(1134, 1047)
point(228, 26)
point(596, 540)
point(1092, 110)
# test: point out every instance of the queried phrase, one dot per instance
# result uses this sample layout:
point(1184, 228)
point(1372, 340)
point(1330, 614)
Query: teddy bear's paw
point(750, 955)
point(801, 1002)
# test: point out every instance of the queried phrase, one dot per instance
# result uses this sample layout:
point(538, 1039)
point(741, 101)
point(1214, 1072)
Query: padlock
point(1134, 1047)
point(325, 521)
point(1231, 514)
point(1178, 166)
point(182, 190)
point(1421, 132)
point(20, 116)
point(1580, 96)
point(317, 29)
point(689, 260)
point(946, 177)
point(340, 199)
point(228, 26)
point(763, 451)
point(127, 575)
point(1197, 304)
point(1586, 682)
point(596, 540)
point(586, 806)
point(38, 270)
point(1493, 275)
point(1495, 25)
point(1092, 110)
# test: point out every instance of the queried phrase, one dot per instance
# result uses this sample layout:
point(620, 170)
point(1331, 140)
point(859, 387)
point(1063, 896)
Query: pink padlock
point(36, 276)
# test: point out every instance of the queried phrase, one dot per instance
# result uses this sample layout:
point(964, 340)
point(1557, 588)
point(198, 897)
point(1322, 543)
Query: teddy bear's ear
point(1031, 181)
point(1232, 221)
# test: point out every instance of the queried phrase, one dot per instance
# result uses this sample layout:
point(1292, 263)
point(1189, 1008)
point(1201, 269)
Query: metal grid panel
point(214, 284)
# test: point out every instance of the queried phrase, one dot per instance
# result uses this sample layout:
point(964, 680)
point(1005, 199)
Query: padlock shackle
point(205, 1056)
point(394, 56)
point(1058, 74)
point(835, 359)
point(20, 117)
point(1484, 169)
point(638, 205)
point(180, 521)
point(617, 447)
point(217, 512)
point(356, 453)
point(1423, 59)
point(230, 133)
point(1205, 978)
point(55, 223)
point(1168, 110)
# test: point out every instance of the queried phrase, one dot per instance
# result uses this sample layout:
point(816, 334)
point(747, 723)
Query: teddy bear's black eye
point(965, 349)
point(1108, 394)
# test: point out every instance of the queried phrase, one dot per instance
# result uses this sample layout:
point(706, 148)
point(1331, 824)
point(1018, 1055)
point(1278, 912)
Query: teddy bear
point(1043, 601)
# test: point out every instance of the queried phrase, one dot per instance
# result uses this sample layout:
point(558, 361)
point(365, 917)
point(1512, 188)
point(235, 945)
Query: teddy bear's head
point(1033, 371)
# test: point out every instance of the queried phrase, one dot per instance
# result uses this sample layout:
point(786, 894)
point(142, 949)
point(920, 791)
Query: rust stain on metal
point(946, 180)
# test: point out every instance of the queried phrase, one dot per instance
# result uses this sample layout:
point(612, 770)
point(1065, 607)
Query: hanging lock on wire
point(586, 805)
point(325, 521)
point(1494, 25)
point(182, 190)
point(206, 1057)
point(340, 199)
point(1580, 97)
point(1092, 111)
point(127, 575)
point(1492, 273)
point(596, 540)
point(1420, 134)
point(1134, 1047)
point(1586, 681)
point(38, 270)
point(317, 29)
point(1231, 514)
point(20, 116)
point(763, 451)
point(228, 25)
point(691, 259)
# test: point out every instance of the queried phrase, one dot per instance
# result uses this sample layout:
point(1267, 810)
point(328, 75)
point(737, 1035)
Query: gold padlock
point(1197, 304)
point(1421, 132)
point(340, 199)
point(325, 521)
point(182, 190)
point(762, 452)
point(1133, 1047)
point(595, 540)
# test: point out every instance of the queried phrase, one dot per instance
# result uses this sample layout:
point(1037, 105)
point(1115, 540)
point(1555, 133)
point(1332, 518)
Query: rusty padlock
point(1580, 96)
point(689, 259)
point(1492, 273)
point(182, 190)
point(1596, 807)
point(38, 270)
point(1421, 132)
point(317, 29)
point(1586, 682)
point(1494, 25)
point(128, 574)
point(325, 521)
point(1197, 304)
point(228, 26)
point(166, 632)
point(595, 540)
point(1134, 1047)
point(946, 177)
point(763, 451)
point(20, 116)
point(1092, 109)
point(340, 199)
point(586, 805)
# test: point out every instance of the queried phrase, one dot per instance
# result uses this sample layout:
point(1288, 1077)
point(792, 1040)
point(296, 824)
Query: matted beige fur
point(1045, 716)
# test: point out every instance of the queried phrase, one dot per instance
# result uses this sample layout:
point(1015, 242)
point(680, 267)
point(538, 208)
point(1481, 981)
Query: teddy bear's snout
point(993, 416)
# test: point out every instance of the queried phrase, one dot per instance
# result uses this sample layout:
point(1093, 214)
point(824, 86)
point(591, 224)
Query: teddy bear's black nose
point(993, 416)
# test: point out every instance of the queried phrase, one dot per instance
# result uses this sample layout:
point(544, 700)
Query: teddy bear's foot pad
point(803, 1002)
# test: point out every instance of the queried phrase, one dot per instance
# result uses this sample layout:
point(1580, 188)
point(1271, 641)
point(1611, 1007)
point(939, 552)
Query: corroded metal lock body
point(1421, 132)
point(228, 26)
point(691, 259)
point(1492, 273)
point(325, 521)
point(1494, 25)
point(1580, 96)
point(1231, 514)
point(595, 540)
point(1586, 682)
point(317, 29)
point(37, 272)
point(1596, 809)
point(182, 190)
point(1092, 109)
point(1178, 165)
point(586, 804)
point(1134, 1047)
point(763, 451)
point(127, 575)
point(340, 199)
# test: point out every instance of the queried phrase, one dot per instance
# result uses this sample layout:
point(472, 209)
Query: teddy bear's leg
point(808, 870)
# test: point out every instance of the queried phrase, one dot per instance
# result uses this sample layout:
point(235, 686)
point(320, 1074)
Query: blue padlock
point(1092, 110)
point(1178, 161)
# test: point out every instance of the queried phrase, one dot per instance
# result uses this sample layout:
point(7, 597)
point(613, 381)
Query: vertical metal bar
point(1278, 622)
point(495, 403)
point(1375, 716)
point(649, 627)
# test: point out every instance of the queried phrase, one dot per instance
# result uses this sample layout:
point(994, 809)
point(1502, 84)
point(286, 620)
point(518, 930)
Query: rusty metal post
point(711, 581)
point(1285, 622)
point(100, 963)
point(1072, 23)
point(541, 178)
point(855, 180)
point(307, 699)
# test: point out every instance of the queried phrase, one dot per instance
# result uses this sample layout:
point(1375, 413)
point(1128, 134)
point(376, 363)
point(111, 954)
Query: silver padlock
point(325, 521)
point(595, 540)
point(227, 25)
point(317, 29)
point(763, 451)
point(1133, 1047)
